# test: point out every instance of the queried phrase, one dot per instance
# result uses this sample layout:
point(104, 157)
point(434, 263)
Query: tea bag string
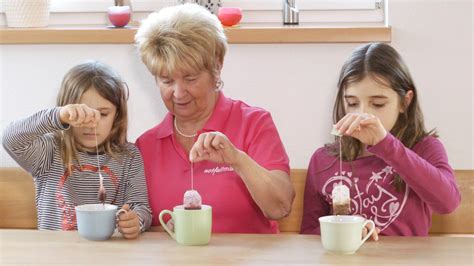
point(192, 176)
point(97, 150)
point(340, 160)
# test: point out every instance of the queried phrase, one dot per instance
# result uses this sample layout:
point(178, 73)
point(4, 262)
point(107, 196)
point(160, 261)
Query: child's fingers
point(88, 125)
point(369, 120)
point(125, 213)
point(355, 125)
point(347, 122)
point(72, 114)
point(129, 215)
point(96, 116)
point(340, 122)
point(128, 223)
point(129, 230)
point(375, 234)
point(81, 115)
point(89, 116)
point(132, 234)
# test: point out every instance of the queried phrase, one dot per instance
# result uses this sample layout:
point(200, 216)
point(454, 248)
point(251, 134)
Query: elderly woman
point(240, 165)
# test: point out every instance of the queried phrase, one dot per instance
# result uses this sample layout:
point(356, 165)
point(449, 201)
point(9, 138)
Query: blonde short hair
point(182, 38)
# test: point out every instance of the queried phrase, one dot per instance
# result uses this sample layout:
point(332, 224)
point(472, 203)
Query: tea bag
point(335, 132)
point(192, 200)
point(341, 202)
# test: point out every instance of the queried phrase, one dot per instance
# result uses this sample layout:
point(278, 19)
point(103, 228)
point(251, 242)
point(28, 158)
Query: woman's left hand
point(215, 147)
point(365, 127)
point(128, 223)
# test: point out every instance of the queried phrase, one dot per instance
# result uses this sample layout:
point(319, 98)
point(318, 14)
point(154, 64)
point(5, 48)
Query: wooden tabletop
point(157, 248)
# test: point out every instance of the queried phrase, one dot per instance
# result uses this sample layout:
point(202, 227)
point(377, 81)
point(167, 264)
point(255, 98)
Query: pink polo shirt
point(168, 172)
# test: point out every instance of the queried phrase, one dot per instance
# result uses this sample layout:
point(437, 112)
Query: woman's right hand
point(79, 115)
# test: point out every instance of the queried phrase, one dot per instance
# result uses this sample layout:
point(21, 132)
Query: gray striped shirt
point(32, 145)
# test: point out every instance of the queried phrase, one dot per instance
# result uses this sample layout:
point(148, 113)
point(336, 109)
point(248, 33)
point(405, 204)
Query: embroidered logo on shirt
point(218, 169)
point(382, 207)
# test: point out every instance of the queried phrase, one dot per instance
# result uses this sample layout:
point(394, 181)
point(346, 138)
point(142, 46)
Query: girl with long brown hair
point(397, 172)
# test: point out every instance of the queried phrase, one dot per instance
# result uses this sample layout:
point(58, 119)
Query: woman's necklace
point(181, 133)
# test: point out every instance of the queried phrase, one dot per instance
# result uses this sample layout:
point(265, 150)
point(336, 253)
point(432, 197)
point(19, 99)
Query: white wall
point(296, 82)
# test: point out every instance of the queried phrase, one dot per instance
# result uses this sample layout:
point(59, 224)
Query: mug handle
point(163, 224)
point(369, 234)
point(117, 214)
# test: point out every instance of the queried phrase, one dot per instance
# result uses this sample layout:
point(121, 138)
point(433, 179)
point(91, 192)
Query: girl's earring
point(219, 85)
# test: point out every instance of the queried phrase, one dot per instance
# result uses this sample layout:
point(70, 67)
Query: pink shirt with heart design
point(168, 170)
point(431, 186)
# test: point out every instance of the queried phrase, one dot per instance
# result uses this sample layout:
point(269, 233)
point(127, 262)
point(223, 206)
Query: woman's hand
point(79, 115)
point(128, 223)
point(365, 127)
point(215, 147)
point(170, 225)
point(375, 234)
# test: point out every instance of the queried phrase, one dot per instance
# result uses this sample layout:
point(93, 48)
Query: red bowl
point(230, 16)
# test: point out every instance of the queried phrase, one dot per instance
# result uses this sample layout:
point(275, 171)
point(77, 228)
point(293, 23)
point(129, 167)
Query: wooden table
point(157, 248)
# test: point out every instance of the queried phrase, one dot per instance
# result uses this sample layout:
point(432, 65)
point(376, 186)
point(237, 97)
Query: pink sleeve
point(426, 171)
point(314, 206)
point(265, 145)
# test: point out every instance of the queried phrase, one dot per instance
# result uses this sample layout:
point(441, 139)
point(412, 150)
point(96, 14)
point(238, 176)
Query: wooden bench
point(17, 206)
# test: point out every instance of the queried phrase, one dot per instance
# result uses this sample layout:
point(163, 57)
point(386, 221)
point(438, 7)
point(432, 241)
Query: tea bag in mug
point(192, 200)
point(341, 202)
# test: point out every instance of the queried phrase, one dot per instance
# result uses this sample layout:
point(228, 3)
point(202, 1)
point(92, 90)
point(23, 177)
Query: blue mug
point(97, 221)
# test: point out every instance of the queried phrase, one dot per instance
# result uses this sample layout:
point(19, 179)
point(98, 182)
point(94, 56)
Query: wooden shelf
point(248, 33)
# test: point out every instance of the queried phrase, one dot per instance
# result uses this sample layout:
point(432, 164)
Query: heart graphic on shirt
point(393, 207)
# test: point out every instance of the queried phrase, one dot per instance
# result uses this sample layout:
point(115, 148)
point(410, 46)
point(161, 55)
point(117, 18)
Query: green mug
point(191, 227)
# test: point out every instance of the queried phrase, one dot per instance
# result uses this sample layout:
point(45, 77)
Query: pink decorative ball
point(119, 16)
point(230, 16)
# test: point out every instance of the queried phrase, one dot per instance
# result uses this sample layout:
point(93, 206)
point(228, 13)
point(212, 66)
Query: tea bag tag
point(341, 202)
point(335, 132)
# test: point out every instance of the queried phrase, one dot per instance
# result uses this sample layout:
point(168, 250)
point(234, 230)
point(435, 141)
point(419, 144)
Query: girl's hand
point(215, 147)
point(375, 234)
point(365, 127)
point(128, 223)
point(79, 115)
